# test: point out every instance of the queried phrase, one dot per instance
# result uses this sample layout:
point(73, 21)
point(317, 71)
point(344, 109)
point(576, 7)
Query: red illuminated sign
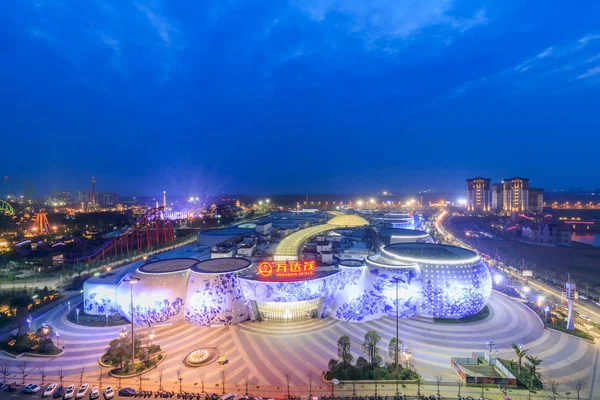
point(284, 269)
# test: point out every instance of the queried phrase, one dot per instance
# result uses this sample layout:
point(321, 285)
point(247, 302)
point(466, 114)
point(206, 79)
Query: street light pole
point(397, 280)
point(132, 281)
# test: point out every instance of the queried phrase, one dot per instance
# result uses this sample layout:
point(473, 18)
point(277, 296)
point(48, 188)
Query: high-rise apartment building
point(536, 200)
point(83, 196)
point(515, 194)
point(497, 197)
point(478, 194)
point(107, 199)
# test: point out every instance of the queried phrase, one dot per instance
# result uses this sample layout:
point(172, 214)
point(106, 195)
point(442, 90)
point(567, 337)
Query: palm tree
point(419, 381)
point(532, 364)
point(521, 352)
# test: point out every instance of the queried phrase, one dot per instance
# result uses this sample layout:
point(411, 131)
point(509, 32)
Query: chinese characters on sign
point(284, 269)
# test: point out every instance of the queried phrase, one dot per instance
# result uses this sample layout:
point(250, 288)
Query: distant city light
point(498, 279)
point(372, 201)
point(462, 202)
point(360, 203)
point(526, 289)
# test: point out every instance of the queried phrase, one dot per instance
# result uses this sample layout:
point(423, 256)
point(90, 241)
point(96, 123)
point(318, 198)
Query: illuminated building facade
point(420, 278)
point(515, 194)
point(478, 194)
point(497, 197)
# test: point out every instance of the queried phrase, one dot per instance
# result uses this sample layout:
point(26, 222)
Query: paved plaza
point(265, 352)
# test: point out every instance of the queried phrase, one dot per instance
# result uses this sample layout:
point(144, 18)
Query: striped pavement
point(265, 352)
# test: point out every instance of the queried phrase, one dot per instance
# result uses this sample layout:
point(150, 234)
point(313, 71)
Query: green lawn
point(483, 314)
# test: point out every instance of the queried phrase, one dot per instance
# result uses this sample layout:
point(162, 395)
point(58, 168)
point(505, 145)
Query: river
point(588, 238)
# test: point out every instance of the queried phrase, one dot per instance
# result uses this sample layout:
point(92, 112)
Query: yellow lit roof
point(289, 248)
point(348, 221)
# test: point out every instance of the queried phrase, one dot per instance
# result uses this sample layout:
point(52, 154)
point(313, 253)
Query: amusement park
point(372, 301)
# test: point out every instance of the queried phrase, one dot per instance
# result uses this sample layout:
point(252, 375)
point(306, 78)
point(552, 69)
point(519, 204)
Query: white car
point(109, 393)
point(95, 393)
point(69, 392)
point(584, 317)
point(31, 388)
point(49, 390)
point(81, 392)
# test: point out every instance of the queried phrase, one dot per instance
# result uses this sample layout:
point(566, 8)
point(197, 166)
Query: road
point(585, 307)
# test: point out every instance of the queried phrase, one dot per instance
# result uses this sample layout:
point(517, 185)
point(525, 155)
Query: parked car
point(127, 392)
point(60, 391)
point(49, 390)
point(109, 393)
point(228, 396)
point(69, 392)
point(81, 392)
point(95, 393)
point(13, 387)
point(31, 388)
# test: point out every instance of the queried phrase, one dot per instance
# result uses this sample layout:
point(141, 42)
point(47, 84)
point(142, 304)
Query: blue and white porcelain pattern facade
point(216, 299)
point(325, 287)
point(454, 287)
point(99, 298)
point(369, 292)
point(438, 281)
point(158, 297)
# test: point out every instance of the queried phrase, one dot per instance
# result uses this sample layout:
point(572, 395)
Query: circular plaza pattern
point(265, 352)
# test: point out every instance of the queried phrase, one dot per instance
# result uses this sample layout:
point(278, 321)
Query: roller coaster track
point(150, 231)
point(6, 208)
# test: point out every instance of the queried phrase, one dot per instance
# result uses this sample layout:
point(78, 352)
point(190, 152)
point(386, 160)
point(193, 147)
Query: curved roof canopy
point(348, 221)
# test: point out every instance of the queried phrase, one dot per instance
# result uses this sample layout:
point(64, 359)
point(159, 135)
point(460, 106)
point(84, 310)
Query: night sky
point(326, 96)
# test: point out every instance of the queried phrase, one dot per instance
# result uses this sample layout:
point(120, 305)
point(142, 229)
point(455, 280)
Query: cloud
point(555, 65)
point(163, 26)
point(590, 73)
point(392, 19)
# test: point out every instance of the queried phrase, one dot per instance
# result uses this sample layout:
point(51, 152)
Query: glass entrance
point(289, 311)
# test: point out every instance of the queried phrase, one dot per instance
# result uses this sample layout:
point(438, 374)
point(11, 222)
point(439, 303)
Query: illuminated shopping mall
point(405, 269)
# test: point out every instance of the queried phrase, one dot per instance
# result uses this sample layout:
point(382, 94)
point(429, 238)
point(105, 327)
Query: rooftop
point(351, 263)
point(400, 232)
point(430, 253)
point(232, 231)
point(348, 220)
point(166, 266)
point(221, 265)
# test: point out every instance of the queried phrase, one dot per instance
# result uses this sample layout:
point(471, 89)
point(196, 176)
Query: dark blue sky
point(302, 96)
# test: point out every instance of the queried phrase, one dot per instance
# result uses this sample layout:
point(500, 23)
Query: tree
point(21, 367)
point(460, 383)
point(42, 370)
point(419, 382)
point(100, 371)
point(580, 384)
point(61, 375)
point(438, 380)
point(361, 362)
point(160, 379)
point(81, 372)
point(370, 346)
point(392, 349)
point(554, 388)
point(223, 379)
point(332, 364)
point(521, 352)
point(4, 370)
point(532, 365)
point(343, 350)
point(287, 381)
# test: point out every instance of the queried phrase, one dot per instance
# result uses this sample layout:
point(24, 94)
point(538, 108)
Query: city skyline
point(299, 97)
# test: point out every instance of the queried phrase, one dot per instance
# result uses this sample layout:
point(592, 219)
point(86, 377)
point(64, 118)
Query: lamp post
point(397, 280)
point(132, 281)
